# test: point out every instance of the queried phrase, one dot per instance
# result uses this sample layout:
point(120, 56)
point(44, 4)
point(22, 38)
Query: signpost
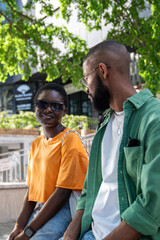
point(23, 97)
point(4, 165)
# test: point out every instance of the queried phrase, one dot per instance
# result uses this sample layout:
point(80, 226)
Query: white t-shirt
point(106, 213)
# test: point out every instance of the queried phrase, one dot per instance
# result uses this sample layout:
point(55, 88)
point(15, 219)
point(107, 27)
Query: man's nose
point(87, 90)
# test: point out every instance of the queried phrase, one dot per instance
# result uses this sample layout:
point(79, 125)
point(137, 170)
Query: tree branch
point(127, 16)
point(24, 15)
point(5, 17)
point(10, 22)
point(11, 25)
point(20, 13)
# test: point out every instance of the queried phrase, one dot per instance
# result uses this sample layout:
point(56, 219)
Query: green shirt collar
point(140, 98)
point(137, 100)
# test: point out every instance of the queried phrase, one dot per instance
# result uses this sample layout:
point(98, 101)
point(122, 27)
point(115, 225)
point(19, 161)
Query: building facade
point(17, 95)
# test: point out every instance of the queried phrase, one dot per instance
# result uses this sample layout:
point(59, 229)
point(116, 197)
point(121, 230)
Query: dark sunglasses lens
point(42, 104)
point(56, 106)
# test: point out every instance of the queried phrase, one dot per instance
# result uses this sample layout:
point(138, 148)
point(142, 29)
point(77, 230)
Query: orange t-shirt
point(53, 164)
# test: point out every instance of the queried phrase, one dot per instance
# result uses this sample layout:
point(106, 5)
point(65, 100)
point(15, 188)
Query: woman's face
point(49, 116)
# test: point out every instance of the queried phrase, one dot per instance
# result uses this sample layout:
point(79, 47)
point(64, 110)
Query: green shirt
point(138, 168)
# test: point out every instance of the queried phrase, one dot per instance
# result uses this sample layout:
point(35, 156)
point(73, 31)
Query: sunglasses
point(54, 106)
point(83, 80)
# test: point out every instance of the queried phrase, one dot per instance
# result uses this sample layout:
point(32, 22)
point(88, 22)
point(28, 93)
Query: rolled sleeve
point(137, 217)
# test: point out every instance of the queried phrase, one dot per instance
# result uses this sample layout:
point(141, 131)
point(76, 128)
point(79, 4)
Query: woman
point(57, 165)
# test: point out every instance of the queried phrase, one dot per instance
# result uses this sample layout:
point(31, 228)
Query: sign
point(4, 165)
point(71, 89)
point(23, 98)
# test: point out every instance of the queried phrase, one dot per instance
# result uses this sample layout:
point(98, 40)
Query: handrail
point(13, 165)
point(12, 152)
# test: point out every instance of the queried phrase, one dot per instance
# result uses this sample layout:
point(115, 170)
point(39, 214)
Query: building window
point(79, 104)
point(7, 99)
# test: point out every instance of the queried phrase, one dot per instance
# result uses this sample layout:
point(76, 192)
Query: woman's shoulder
point(70, 133)
point(38, 139)
point(71, 137)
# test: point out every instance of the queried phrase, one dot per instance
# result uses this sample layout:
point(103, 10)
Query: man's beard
point(102, 96)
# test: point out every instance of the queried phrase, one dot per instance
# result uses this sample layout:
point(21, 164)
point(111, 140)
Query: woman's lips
point(47, 116)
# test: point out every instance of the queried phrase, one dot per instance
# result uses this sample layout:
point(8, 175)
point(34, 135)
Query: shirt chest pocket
point(134, 161)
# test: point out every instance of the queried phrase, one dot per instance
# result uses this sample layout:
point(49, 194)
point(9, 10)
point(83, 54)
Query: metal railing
point(87, 140)
point(13, 165)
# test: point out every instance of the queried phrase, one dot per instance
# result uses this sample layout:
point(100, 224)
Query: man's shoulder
point(152, 105)
point(145, 100)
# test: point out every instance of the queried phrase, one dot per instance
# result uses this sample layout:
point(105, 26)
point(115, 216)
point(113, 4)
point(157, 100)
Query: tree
point(135, 23)
point(27, 42)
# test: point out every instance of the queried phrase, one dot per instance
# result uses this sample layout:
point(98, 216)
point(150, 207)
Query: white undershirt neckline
point(106, 213)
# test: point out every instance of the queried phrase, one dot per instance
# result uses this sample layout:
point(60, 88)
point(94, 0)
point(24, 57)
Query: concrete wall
point(12, 142)
point(11, 199)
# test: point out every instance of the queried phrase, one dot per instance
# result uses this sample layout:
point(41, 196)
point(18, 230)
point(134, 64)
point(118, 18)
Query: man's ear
point(103, 70)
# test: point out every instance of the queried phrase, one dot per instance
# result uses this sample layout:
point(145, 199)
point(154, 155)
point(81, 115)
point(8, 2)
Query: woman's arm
point(27, 209)
point(51, 207)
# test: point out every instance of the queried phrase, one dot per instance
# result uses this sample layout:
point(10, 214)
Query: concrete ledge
point(19, 131)
point(11, 200)
point(6, 185)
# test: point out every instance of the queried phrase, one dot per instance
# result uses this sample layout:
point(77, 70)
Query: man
point(121, 195)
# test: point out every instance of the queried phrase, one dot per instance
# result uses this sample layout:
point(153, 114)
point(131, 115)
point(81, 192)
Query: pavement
point(5, 229)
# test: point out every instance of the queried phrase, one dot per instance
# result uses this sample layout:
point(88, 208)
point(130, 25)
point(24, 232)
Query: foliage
point(75, 122)
point(23, 120)
point(27, 120)
point(135, 23)
point(28, 43)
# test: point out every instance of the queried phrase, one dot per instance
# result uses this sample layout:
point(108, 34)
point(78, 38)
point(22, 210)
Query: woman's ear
point(65, 111)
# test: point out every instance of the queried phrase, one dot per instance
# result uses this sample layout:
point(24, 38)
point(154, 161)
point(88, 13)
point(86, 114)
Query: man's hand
point(74, 228)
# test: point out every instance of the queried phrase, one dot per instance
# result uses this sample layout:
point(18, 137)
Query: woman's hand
point(16, 231)
point(21, 236)
point(26, 211)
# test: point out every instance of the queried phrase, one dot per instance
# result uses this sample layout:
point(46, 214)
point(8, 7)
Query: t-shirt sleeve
point(74, 163)
point(29, 167)
point(28, 171)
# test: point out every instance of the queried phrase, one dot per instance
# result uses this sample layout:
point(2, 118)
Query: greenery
point(135, 23)
point(28, 43)
point(23, 120)
point(27, 120)
point(75, 122)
